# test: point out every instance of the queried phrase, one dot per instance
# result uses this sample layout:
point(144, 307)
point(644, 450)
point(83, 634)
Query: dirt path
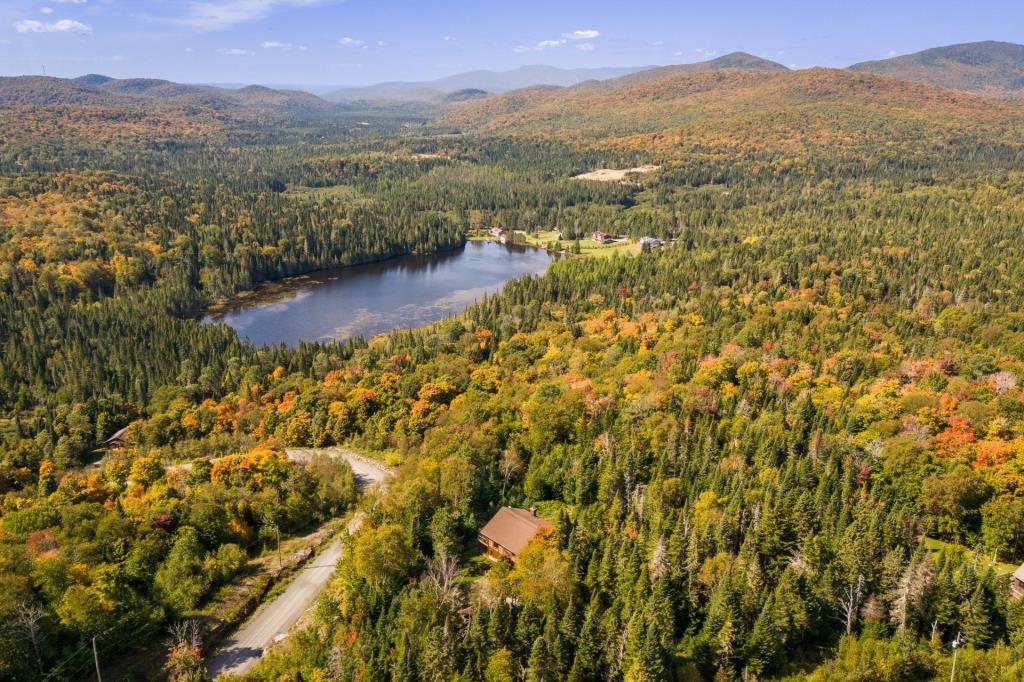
point(240, 652)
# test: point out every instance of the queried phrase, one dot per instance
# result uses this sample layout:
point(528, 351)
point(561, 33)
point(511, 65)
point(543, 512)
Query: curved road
point(240, 652)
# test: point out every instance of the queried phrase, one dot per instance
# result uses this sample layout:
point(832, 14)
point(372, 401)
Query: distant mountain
point(741, 109)
point(488, 81)
point(95, 89)
point(733, 60)
point(44, 90)
point(316, 89)
point(988, 67)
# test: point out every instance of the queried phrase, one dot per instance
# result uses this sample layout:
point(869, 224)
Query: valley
point(742, 345)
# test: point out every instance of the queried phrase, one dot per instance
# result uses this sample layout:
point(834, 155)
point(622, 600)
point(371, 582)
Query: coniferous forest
point(786, 443)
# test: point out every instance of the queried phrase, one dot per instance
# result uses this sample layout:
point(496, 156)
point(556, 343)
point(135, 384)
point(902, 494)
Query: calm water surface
point(364, 300)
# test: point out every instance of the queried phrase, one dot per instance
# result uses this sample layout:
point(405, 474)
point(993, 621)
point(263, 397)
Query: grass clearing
point(1001, 568)
point(588, 247)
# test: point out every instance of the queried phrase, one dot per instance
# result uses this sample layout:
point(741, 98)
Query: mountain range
point(98, 90)
point(487, 81)
point(994, 69)
point(835, 111)
point(989, 67)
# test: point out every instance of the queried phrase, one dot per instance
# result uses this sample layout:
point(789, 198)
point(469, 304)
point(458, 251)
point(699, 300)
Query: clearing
point(613, 174)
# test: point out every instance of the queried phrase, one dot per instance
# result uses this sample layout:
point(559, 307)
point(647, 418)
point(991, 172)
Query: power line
point(108, 643)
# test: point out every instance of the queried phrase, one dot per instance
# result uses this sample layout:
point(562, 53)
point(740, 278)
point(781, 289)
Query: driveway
point(271, 623)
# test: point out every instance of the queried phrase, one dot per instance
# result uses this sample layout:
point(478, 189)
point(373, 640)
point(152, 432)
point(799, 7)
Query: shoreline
point(271, 290)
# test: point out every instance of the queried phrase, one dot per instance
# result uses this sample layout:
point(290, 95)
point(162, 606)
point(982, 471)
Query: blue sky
point(365, 41)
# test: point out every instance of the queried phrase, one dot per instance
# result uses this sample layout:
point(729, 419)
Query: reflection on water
point(364, 300)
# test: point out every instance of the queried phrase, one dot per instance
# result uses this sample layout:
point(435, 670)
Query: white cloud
point(380, 43)
point(235, 52)
point(62, 26)
point(582, 34)
point(217, 15)
point(447, 39)
point(588, 34)
point(287, 47)
point(72, 2)
point(541, 46)
point(46, 10)
point(351, 42)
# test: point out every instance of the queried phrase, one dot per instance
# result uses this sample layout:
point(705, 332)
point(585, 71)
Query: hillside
point(94, 89)
point(742, 110)
point(733, 60)
point(990, 67)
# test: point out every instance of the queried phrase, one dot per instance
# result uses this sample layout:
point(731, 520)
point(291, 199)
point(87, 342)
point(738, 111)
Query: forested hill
point(733, 60)
point(828, 115)
point(100, 90)
point(744, 110)
point(990, 67)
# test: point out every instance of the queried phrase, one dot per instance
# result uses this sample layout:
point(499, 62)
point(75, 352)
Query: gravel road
point(240, 652)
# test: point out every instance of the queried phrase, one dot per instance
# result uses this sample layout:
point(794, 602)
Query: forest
point(788, 444)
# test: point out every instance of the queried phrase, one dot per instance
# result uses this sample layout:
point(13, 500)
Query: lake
point(363, 300)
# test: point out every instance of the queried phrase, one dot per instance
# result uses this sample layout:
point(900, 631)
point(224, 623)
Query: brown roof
point(513, 528)
point(119, 436)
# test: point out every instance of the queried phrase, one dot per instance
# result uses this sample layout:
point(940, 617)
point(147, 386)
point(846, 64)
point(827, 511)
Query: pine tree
point(977, 618)
point(541, 666)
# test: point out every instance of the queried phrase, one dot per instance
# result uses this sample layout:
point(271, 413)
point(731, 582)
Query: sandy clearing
point(613, 174)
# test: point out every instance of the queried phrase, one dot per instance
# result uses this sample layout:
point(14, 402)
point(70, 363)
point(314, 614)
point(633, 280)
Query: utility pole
point(956, 650)
point(280, 564)
point(96, 659)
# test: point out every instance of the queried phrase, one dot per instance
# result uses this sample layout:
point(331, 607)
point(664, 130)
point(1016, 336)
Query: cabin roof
point(117, 436)
point(1019, 573)
point(513, 528)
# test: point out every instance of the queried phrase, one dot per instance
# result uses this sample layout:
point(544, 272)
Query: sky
point(355, 42)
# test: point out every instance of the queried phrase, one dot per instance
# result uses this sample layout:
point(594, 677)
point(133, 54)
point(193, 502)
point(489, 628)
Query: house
point(650, 241)
point(119, 439)
point(1017, 582)
point(601, 237)
point(496, 232)
point(510, 531)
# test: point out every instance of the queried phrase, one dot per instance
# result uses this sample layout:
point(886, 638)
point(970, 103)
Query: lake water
point(364, 300)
